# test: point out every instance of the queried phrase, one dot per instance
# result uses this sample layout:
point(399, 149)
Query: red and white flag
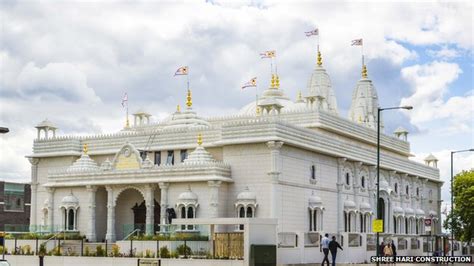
point(311, 33)
point(251, 83)
point(181, 71)
point(125, 100)
point(356, 42)
point(268, 54)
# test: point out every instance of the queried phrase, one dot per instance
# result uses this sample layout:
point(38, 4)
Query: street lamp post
point(452, 199)
point(379, 110)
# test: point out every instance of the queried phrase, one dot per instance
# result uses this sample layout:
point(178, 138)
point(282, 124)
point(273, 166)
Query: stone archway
point(124, 214)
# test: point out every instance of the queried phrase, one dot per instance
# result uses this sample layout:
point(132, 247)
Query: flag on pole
point(356, 42)
point(181, 71)
point(313, 32)
point(125, 100)
point(251, 83)
point(268, 54)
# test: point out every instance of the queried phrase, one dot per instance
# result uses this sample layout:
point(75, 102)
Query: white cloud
point(444, 53)
point(430, 82)
point(55, 80)
point(72, 61)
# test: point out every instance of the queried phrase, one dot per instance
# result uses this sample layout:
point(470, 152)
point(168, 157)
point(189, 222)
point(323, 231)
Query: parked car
point(4, 263)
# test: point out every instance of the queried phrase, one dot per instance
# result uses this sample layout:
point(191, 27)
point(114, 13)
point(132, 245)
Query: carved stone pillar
point(214, 198)
point(163, 202)
point(50, 191)
point(274, 174)
point(91, 233)
point(34, 194)
point(373, 189)
point(110, 236)
point(150, 209)
point(340, 198)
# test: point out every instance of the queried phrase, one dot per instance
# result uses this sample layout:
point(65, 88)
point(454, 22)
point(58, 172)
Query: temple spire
point(320, 59)
point(189, 100)
point(364, 71)
point(199, 139)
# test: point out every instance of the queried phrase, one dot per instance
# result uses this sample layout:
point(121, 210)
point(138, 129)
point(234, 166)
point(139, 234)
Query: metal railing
point(131, 233)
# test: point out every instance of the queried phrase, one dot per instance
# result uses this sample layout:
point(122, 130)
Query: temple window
point(170, 158)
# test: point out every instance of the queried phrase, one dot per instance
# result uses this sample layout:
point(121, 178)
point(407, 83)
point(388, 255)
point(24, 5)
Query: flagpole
point(256, 99)
point(362, 52)
point(127, 123)
point(187, 80)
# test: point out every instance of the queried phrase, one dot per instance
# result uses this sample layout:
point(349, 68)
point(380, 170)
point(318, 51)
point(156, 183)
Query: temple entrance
point(381, 212)
point(139, 216)
point(125, 220)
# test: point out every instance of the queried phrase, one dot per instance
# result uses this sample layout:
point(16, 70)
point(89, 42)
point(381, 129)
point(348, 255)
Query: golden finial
point(320, 59)
point(199, 141)
point(273, 81)
point(178, 108)
point(189, 100)
point(127, 123)
point(364, 71)
point(257, 110)
point(84, 148)
point(300, 97)
point(277, 82)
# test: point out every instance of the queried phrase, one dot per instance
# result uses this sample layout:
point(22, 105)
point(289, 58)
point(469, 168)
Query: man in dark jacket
point(333, 246)
point(394, 250)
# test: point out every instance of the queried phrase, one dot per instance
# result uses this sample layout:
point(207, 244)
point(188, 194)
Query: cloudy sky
point(71, 62)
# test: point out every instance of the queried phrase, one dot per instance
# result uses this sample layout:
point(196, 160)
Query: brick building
point(15, 203)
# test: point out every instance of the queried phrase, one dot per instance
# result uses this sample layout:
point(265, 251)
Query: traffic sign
point(377, 226)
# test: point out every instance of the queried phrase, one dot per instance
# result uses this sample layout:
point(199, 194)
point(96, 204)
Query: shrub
point(149, 254)
point(57, 251)
point(26, 250)
point(42, 250)
point(1, 249)
point(99, 251)
point(87, 251)
point(115, 250)
point(164, 252)
point(183, 250)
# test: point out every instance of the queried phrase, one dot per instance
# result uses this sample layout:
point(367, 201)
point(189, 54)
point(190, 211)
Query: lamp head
point(407, 107)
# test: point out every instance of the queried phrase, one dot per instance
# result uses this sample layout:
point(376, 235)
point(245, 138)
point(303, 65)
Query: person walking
point(325, 246)
point(333, 246)
point(394, 250)
point(387, 251)
point(381, 249)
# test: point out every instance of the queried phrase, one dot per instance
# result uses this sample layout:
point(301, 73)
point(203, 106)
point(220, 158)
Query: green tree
point(461, 219)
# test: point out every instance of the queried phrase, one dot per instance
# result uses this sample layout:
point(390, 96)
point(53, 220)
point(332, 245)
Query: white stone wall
point(250, 165)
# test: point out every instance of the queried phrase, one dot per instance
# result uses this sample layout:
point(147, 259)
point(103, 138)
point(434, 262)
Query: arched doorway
point(124, 215)
point(139, 216)
point(130, 212)
point(381, 212)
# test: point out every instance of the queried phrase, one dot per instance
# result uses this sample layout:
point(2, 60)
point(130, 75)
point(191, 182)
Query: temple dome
point(397, 209)
point(188, 196)
point(70, 200)
point(83, 164)
point(45, 123)
point(319, 86)
point(185, 119)
point(365, 206)
point(247, 195)
point(199, 155)
point(349, 204)
point(314, 200)
point(364, 106)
